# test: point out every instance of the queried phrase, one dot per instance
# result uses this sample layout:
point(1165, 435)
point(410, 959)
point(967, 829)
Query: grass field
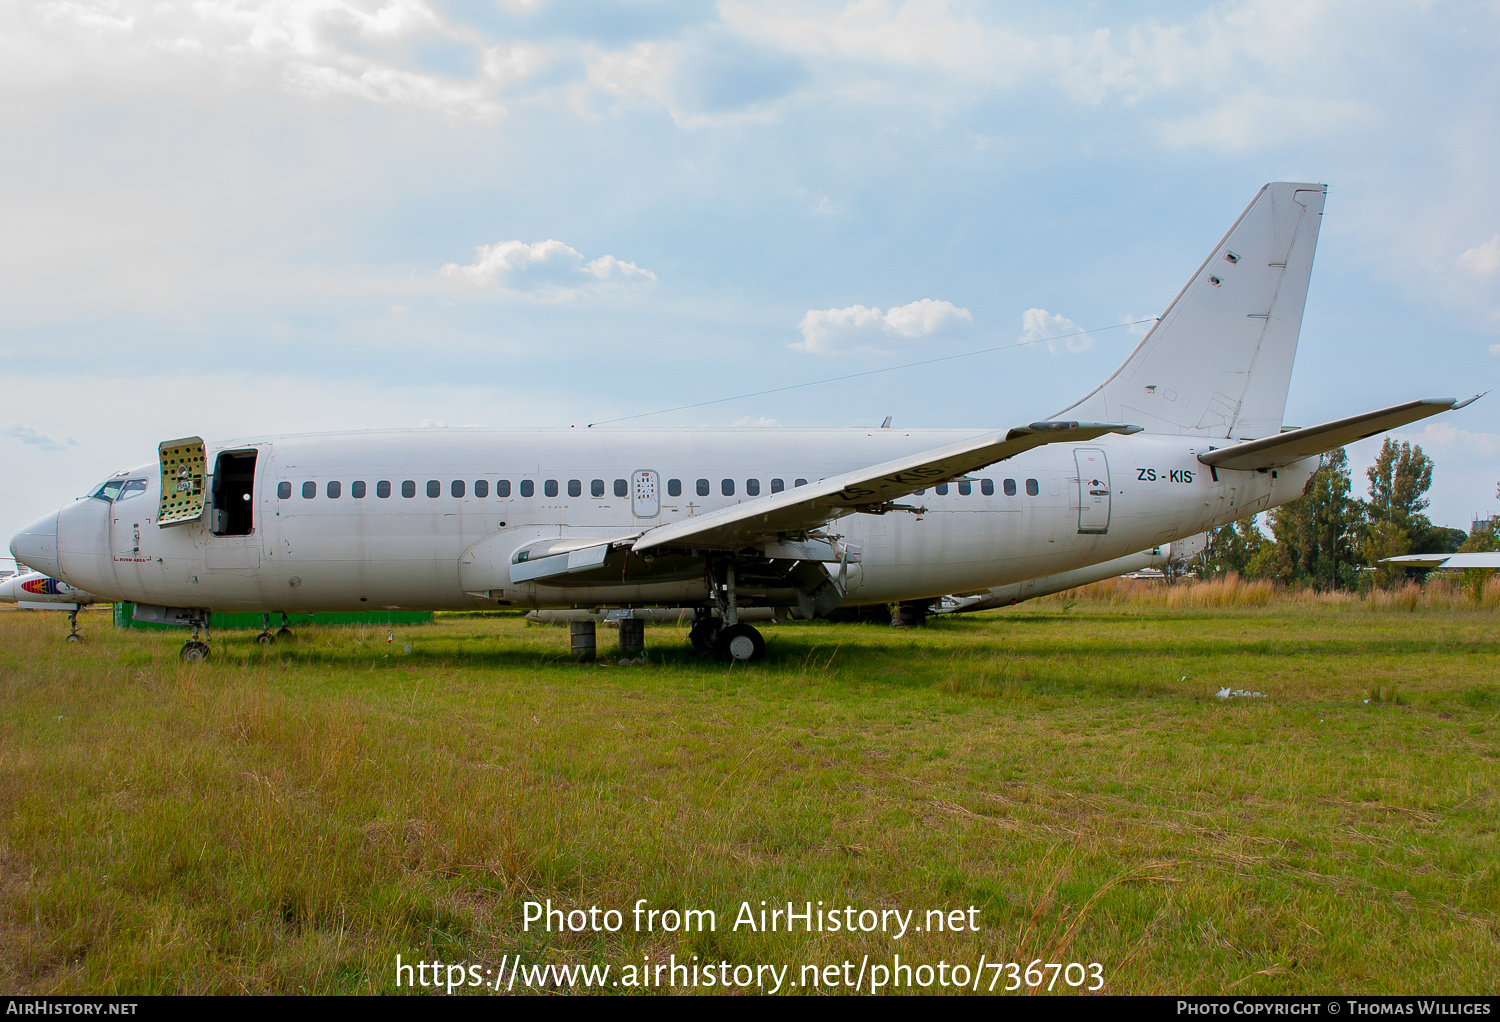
point(292, 820)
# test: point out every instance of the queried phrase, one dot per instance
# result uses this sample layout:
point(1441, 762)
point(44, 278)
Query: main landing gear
point(73, 635)
point(193, 651)
point(283, 632)
point(731, 641)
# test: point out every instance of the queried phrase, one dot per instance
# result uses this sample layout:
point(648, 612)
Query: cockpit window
point(108, 490)
point(119, 489)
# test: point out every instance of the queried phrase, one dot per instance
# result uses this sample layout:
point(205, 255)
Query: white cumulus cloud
point(1060, 332)
point(859, 327)
point(1482, 260)
point(548, 269)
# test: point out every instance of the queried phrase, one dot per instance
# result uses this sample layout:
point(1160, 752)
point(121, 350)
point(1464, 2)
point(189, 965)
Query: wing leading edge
point(866, 489)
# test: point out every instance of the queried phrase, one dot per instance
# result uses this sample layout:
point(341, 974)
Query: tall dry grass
point(1438, 593)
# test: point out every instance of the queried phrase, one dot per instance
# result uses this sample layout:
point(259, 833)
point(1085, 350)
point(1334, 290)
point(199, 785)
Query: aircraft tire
point(265, 638)
point(75, 637)
point(702, 634)
point(283, 632)
point(739, 643)
point(194, 652)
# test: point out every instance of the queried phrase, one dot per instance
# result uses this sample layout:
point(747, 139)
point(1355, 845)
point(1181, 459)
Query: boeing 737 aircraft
point(1186, 435)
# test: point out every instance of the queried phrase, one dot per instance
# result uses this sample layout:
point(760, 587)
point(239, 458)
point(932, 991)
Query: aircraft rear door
point(1093, 490)
point(645, 497)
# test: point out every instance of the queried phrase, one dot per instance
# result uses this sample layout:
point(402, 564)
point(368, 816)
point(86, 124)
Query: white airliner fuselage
point(332, 526)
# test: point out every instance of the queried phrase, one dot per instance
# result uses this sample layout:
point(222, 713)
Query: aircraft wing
point(866, 489)
point(1478, 560)
point(1285, 448)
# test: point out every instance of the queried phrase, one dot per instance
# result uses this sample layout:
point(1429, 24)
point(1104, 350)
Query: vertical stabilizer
point(1219, 361)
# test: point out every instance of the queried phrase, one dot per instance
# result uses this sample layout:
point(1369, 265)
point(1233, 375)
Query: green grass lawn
point(293, 819)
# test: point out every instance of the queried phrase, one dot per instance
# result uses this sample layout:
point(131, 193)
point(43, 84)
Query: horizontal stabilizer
point(1285, 448)
point(865, 489)
point(1479, 560)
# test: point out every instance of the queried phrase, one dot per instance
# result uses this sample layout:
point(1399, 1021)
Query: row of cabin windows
point(986, 487)
point(458, 487)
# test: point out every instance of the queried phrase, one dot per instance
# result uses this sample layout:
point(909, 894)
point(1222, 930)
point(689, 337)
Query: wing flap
point(1285, 448)
point(865, 489)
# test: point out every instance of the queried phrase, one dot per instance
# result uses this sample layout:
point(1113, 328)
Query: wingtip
point(1468, 401)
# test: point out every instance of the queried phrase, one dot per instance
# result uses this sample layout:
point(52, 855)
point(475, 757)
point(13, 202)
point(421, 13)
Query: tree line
point(1329, 539)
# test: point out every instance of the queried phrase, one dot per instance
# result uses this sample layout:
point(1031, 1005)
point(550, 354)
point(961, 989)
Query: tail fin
point(1219, 361)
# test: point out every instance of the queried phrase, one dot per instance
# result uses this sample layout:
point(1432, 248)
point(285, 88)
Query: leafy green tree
point(1316, 534)
point(1399, 481)
point(1481, 540)
point(1235, 548)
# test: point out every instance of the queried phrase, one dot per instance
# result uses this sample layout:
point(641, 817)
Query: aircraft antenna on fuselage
point(867, 372)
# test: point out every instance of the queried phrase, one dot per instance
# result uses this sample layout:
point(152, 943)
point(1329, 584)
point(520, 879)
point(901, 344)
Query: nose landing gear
point(283, 632)
point(265, 638)
point(194, 651)
point(73, 635)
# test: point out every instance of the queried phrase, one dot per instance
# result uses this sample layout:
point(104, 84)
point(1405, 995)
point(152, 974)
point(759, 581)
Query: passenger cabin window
point(481, 488)
point(309, 491)
point(622, 488)
point(456, 488)
point(702, 487)
point(408, 487)
point(777, 485)
point(596, 487)
point(800, 482)
point(1010, 487)
point(965, 487)
point(231, 509)
point(575, 488)
point(987, 487)
point(674, 487)
point(334, 490)
point(752, 487)
point(528, 488)
point(383, 488)
point(434, 488)
point(502, 487)
point(1032, 489)
point(727, 487)
point(941, 489)
point(284, 490)
point(357, 489)
point(550, 487)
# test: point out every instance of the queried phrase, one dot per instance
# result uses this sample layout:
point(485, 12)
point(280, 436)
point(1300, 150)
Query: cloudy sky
point(227, 218)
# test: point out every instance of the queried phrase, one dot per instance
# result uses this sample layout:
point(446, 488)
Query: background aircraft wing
point(1285, 448)
point(866, 489)
point(1476, 560)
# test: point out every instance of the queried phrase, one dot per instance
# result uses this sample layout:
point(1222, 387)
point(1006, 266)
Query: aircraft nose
point(36, 545)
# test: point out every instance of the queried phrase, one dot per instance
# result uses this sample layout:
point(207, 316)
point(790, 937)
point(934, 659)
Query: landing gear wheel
point(739, 643)
point(283, 632)
point(75, 637)
point(265, 638)
point(702, 635)
point(194, 652)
